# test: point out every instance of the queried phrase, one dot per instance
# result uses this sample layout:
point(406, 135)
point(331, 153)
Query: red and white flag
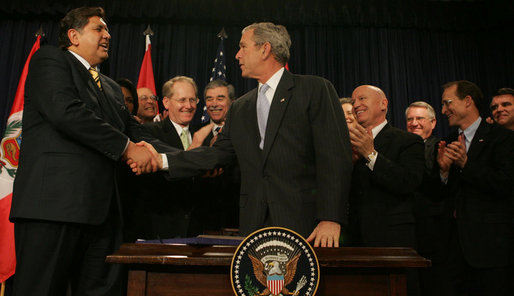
point(146, 78)
point(9, 155)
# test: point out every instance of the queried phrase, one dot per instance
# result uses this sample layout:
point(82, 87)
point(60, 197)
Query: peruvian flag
point(146, 73)
point(9, 155)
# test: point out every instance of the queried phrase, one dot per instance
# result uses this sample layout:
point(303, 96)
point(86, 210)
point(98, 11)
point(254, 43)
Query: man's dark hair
point(220, 83)
point(467, 88)
point(124, 82)
point(76, 19)
point(504, 91)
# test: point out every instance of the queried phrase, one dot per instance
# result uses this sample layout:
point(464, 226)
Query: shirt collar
point(179, 128)
point(469, 133)
point(214, 127)
point(378, 128)
point(82, 60)
point(275, 79)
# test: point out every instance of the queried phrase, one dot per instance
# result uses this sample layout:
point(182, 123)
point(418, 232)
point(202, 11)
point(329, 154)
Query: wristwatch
point(371, 156)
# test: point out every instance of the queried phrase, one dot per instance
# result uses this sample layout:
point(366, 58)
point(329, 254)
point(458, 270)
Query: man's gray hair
point(220, 83)
point(421, 104)
point(277, 37)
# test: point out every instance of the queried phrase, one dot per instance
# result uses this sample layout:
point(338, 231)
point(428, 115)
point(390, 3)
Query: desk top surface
point(202, 255)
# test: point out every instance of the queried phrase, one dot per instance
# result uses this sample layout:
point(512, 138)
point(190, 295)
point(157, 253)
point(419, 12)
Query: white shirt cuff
point(165, 165)
point(372, 160)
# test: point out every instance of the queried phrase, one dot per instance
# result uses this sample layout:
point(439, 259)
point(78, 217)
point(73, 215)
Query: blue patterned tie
point(263, 106)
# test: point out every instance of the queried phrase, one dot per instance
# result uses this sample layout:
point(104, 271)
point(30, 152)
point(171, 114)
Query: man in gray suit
point(291, 140)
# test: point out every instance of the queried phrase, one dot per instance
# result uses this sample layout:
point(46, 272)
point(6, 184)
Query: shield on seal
point(275, 283)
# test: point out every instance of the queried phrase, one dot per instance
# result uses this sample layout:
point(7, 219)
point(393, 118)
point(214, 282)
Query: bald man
point(147, 104)
point(385, 177)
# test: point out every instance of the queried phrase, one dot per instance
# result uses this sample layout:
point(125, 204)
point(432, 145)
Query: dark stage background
point(407, 48)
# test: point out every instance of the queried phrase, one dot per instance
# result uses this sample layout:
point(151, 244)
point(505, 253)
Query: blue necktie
point(263, 106)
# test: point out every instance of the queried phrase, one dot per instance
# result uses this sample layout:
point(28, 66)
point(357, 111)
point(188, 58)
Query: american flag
point(218, 72)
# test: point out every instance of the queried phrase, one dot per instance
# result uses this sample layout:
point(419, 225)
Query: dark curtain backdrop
point(407, 48)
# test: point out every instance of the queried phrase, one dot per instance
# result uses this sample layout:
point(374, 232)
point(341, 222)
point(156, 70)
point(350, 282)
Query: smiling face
point(502, 109)
point(92, 41)
point(369, 105)
point(182, 104)
point(419, 122)
point(249, 56)
point(217, 102)
point(454, 107)
point(147, 104)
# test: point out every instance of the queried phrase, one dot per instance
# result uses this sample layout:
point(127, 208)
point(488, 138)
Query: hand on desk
point(326, 234)
point(143, 158)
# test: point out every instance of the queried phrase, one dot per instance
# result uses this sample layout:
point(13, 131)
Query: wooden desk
point(156, 269)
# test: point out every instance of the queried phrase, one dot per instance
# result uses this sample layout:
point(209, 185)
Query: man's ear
point(383, 104)
point(73, 36)
point(165, 102)
point(266, 50)
point(469, 100)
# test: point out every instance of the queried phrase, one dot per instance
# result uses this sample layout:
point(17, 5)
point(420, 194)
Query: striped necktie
point(96, 77)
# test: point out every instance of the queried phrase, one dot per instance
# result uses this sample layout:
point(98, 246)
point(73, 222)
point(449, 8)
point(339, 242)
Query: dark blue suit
point(65, 204)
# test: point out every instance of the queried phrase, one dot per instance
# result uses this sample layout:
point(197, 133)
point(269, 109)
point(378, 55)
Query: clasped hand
point(142, 158)
point(361, 140)
point(453, 153)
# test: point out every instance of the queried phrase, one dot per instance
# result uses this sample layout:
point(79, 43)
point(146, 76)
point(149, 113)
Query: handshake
point(142, 158)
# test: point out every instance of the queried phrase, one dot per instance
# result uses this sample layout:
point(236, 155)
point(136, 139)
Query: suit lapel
point(86, 77)
point(170, 134)
point(113, 107)
point(278, 107)
point(382, 138)
point(479, 140)
point(252, 124)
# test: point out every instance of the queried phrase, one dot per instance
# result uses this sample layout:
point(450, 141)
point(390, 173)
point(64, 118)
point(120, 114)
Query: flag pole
point(222, 34)
point(2, 292)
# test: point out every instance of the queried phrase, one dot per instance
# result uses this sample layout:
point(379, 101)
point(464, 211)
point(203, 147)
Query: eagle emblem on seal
point(274, 261)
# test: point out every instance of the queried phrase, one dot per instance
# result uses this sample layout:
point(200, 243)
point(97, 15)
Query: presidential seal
point(274, 261)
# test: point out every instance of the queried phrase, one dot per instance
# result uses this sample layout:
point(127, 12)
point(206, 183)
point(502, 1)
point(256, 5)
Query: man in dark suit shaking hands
point(75, 126)
point(291, 141)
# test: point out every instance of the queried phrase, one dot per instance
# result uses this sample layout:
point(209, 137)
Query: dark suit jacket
point(302, 175)
point(165, 209)
point(220, 208)
point(207, 141)
point(73, 137)
point(482, 195)
point(381, 200)
point(429, 206)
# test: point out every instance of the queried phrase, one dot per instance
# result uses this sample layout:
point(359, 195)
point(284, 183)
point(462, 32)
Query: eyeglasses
point(447, 103)
point(146, 98)
point(182, 101)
